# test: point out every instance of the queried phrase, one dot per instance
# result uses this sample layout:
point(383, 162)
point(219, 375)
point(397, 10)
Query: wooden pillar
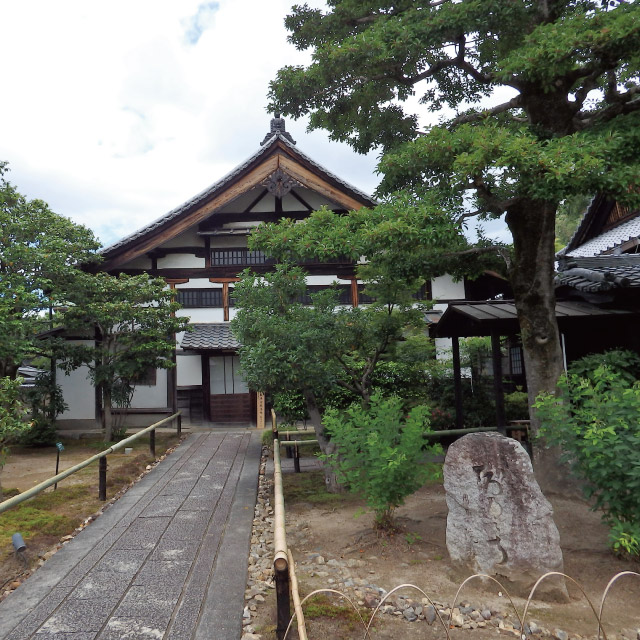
point(260, 410)
point(206, 388)
point(354, 292)
point(457, 382)
point(225, 300)
point(496, 354)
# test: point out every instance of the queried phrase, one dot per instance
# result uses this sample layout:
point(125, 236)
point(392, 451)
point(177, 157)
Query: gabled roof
point(276, 152)
point(605, 225)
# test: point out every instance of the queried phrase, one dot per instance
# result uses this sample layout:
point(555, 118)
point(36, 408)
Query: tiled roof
point(209, 337)
point(207, 193)
point(608, 240)
point(599, 273)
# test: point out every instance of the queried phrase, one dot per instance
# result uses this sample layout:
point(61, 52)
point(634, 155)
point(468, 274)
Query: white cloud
point(116, 113)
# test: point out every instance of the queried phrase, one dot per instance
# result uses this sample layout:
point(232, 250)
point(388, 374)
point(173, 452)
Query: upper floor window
point(238, 257)
point(193, 298)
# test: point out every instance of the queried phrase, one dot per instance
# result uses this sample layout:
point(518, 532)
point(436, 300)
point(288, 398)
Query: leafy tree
point(566, 121)
point(595, 420)
point(382, 452)
point(39, 256)
point(13, 417)
point(288, 346)
point(570, 213)
point(133, 322)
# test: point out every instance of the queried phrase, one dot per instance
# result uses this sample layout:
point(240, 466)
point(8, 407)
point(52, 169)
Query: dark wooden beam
point(457, 382)
point(496, 355)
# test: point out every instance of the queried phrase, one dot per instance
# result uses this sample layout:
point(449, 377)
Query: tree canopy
point(537, 101)
point(132, 319)
point(40, 252)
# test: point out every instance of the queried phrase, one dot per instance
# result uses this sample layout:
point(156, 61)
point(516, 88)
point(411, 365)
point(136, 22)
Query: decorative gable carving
point(280, 183)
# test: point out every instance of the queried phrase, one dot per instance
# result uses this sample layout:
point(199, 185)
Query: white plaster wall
point(189, 370)
point(315, 200)
point(146, 397)
point(325, 280)
point(444, 288)
point(241, 202)
point(199, 283)
point(205, 314)
point(78, 393)
point(228, 242)
point(180, 260)
point(189, 238)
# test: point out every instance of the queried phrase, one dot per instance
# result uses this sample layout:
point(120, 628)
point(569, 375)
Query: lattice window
point(194, 298)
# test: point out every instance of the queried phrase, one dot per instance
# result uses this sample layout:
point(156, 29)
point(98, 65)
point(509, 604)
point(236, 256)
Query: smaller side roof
point(463, 319)
point(599, 273)
point(210, 337)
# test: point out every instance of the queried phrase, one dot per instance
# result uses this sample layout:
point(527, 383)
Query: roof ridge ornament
point(277, 127)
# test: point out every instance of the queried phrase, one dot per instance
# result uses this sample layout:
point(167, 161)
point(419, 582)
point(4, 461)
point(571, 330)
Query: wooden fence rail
point(102, 469)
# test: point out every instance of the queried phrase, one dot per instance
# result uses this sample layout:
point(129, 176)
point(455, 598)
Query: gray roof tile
point(209, 337)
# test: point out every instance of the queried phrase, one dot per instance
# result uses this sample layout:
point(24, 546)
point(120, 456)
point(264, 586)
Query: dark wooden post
point(496, 354)
point(152, 442)
point(283, 601)
point(296, 459)
point(289, 452)
point(102, 478)
point(179, 425)
point(457, 382)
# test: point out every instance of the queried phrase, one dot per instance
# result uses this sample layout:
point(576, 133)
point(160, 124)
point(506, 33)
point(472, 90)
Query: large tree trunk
point(326, 446)
point(532, 225)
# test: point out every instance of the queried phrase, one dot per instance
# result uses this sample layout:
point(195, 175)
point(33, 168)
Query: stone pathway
point(167, 560)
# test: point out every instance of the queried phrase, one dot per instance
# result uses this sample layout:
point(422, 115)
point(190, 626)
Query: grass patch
point(54, 513)
point(320, 607)
point(310, 487)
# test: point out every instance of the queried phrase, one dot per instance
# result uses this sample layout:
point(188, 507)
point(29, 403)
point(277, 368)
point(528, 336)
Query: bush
point(595, 420)
point(46, 401)
point(380, 452)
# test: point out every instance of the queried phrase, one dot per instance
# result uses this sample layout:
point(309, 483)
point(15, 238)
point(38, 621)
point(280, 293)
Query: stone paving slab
point(167, 560)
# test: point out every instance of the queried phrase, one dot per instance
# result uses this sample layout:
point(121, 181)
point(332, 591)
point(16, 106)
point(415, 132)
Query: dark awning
point(464, 319)
point(210, 337)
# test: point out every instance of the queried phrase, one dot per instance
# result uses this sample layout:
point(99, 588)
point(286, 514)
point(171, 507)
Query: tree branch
point(514, 103)
point(624, 104)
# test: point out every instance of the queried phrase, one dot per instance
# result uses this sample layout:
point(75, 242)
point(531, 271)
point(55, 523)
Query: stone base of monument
point(499, 522)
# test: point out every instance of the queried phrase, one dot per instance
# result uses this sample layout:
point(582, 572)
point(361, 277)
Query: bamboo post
point(102, 479)
point(281, 559)
point(274, 425)
point(302, 630)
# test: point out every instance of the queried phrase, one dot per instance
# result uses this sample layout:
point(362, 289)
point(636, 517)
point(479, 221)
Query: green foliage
point(595, 421)
point(134, 317)
point(290, 405)
point(624, 538)
point(39, 256)
point(46, 402)
point(569, 214)
point(13, 417)
point(291, 347)
point(380, 452)
point(542, 100)
point(516, 405)
point(625, 363)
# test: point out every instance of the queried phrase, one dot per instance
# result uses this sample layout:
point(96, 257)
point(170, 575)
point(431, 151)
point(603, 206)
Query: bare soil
point(417, 555)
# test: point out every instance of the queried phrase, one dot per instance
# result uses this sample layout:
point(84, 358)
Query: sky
point(115, 113)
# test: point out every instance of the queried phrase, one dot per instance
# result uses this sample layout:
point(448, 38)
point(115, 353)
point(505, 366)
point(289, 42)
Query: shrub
point(595, 420)
point(380, 452)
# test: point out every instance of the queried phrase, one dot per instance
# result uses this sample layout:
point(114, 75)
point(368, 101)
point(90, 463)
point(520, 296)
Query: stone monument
point(499, 523)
